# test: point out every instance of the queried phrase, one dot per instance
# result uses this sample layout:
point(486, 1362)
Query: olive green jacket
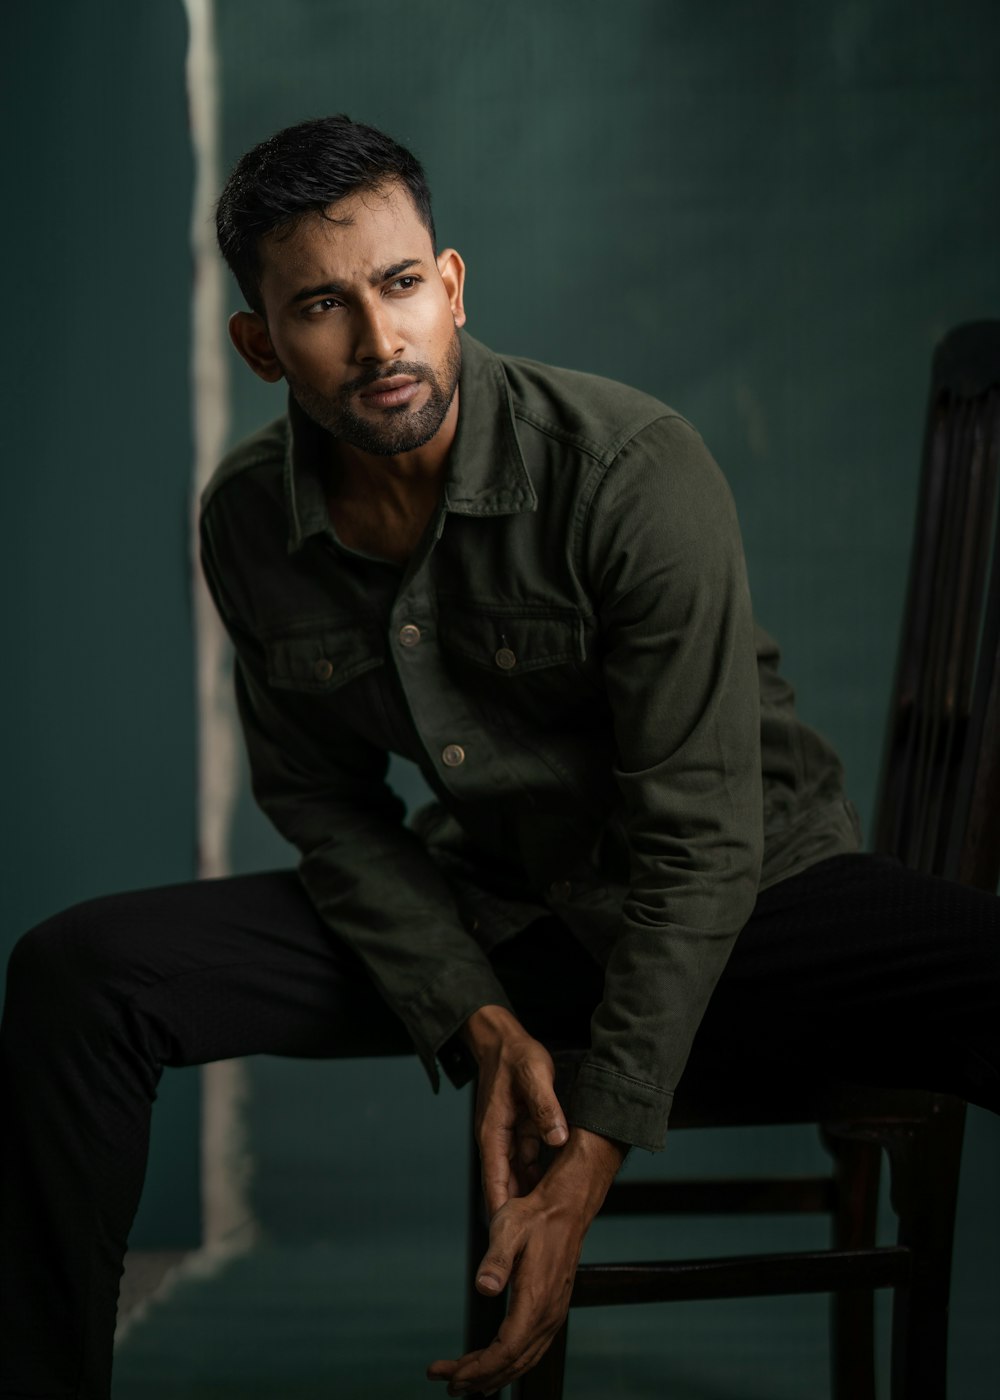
point(571, 660)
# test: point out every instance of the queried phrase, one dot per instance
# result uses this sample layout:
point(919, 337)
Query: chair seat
point(702, 1105)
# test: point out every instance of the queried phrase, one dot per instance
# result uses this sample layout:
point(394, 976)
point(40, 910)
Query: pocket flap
point(509, 642)
point(320, 656)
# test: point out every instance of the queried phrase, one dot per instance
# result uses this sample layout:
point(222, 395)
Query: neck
point(398, 477)
point(383, 505)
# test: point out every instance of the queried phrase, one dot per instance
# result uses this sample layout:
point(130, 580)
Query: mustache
point(372, 376)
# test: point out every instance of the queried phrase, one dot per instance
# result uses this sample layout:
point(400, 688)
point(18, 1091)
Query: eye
point(317, 308)
point(405, 283)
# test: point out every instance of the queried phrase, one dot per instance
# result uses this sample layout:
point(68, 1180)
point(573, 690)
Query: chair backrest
point(939, 799)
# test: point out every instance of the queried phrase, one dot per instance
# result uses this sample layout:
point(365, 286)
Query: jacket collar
point(485, 475)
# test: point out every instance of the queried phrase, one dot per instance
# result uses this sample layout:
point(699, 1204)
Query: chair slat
point(742, 1276)
point(940, 716)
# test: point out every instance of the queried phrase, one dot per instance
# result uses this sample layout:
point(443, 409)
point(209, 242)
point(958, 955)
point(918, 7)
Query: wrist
point(584, 1169)
point(489, 1028)
point(602, 1153)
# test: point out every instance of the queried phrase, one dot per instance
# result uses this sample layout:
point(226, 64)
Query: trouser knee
point(974, 939)
point(66, 977)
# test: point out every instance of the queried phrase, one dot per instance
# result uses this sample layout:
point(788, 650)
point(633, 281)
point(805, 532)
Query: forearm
point(489, 1029)
point(583, 1170)
point(657, 985)
point(680, 670)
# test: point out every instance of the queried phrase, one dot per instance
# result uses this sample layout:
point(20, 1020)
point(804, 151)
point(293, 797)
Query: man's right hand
point(516, 1105)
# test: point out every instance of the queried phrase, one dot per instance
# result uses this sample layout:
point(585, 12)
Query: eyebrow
point(383, 274)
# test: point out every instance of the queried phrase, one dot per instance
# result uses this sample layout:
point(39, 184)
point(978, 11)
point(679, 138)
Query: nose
point(377, 341)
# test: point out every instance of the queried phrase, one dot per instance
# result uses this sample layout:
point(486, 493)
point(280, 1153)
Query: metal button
point(409, 635)
point(322, 669)
point(452, 755)
point(505, 659)
point(560, 890)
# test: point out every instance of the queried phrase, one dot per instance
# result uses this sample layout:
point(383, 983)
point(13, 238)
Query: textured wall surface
point(766, 214)
point(98, 713)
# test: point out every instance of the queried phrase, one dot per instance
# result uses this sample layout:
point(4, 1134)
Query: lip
point(390, 393)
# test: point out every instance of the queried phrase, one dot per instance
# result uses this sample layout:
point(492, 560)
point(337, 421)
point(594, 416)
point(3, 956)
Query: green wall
point(765, 213)
point(97, 706)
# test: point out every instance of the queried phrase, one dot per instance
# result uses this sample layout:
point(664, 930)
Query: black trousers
point(856, 967)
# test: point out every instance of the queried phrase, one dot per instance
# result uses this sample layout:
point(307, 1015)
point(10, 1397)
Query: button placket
point(426, 686)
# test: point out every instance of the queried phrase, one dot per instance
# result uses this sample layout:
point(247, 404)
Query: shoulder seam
point(599, 474)
point(600, 452)
point(227, 471)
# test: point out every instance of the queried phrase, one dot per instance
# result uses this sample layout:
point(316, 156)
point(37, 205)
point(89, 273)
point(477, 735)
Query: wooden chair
point(938, 811)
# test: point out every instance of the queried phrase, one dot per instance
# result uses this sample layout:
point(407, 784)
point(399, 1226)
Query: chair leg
point(852, 1311)
point(483, 1315)
point(545, 1381)
point(925, 1167)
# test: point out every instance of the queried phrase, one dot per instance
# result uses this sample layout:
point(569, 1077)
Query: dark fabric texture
point(856, 968)
point(571, 659)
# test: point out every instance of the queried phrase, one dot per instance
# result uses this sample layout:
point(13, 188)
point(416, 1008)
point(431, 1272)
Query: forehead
point(345, 243)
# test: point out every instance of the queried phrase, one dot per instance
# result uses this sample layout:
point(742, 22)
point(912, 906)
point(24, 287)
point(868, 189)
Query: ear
point(452, 270)
point(248, 332)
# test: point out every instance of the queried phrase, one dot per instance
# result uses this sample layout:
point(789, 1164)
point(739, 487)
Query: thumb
point(545, 1111)
point(494, 1272)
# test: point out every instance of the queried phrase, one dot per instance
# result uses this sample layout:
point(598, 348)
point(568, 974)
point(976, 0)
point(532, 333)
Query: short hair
point(300, 170)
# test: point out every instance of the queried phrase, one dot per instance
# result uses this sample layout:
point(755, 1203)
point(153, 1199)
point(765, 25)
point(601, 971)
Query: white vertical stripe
point(225, 1162)
point(227, 1222)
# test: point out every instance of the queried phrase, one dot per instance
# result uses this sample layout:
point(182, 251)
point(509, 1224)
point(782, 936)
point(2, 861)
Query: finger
point(493, 1273)
point(526, 1179)
point(525, 1170)
point(543, 1106)
point(495, 1150)
point(498, 1187)
point(498, 1261)
point(538, 1306)
point(472, 1383)
point(444, 1370)
point(551, 1122)
point(528, 1144)
point(501, 1363)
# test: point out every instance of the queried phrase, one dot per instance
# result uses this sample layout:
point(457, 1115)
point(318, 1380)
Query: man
point(530, 582)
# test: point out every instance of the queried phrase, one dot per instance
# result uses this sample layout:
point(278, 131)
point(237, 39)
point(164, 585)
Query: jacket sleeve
point(663, 556)
point(367, 874)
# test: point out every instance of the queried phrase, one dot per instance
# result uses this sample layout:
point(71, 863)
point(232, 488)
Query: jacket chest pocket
point(319, 657)
point(523, 666)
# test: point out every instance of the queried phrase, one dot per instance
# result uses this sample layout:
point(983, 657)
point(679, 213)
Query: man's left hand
point(535, 1243)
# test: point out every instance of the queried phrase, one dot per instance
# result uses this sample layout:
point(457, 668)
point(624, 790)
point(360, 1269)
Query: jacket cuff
point(436, 1014)
point(616, 1106)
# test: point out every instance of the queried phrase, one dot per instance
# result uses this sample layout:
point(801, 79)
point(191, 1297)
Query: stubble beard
point(399, 429)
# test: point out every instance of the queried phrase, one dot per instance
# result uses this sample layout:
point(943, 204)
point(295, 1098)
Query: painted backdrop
point(764, 213)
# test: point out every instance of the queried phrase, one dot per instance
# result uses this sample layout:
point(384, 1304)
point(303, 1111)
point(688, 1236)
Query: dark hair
point(301, 170)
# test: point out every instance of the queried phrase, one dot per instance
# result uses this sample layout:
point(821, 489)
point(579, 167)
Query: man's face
point(363, 321)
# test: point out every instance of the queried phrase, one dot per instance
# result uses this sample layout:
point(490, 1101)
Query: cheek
point(316, 354)
point(440, 335)
point(434, 317)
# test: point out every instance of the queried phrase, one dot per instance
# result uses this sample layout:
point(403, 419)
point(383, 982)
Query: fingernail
point(488, 1281)
point(555, 1137)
